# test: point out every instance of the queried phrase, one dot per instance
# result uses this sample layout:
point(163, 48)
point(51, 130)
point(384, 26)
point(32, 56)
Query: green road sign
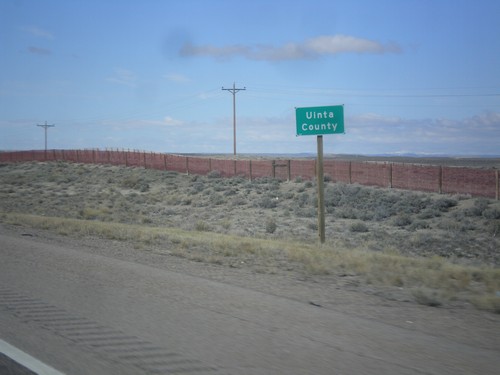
point(320, 120)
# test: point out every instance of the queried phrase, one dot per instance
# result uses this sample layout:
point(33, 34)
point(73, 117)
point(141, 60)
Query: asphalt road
point(82, 313)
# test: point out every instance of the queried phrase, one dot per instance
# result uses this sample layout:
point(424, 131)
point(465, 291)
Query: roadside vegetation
point(439, 250)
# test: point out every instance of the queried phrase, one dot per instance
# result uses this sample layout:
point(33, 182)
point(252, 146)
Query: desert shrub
point(202, 226)
point(448, 224)
point(216, 199)
point(427, 297)
point(308, 184)
point(358, 227)
point(219, 185)
point(147, 220)
point(330, 210)
point(271, 225)
point(274, 185)
point(268, 202)
point(198, 186)
point(313, 225)
point(305, 212)
point(455, 225)
point(226, 224)
point(481, 204)
point(365, 215)
point(429, 213)
point(332, 199)
point(229, 192)
point(347, 213)
point(381, 212)
point(130, 182)
point(410, 204)
point(214, 174)
point(314, 200)
point(494, 228)
point(302, 199)
point(90, 213)
point(298, 179)
point(238, 201)
point(460, 215)
point(301, 189)
point(135, 182)
point(402, 220)
point(443, 204)
point(237, 180)
point(489, 303)
point(266, 181)
point(491, 213)
point(472, 212)
point(186, 201)
point(419, 224)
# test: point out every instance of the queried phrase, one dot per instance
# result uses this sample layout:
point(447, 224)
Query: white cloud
point(489, 120)
point(178, 78)
point(169, 121)
point(129, 124)
point(38, 32)
point(313, 48)
point(334, 44)
point(369, 133)
point(473, 135)
point(39, 51)
point(123, 77)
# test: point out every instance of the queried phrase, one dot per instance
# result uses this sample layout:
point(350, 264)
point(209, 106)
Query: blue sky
point(419, 76)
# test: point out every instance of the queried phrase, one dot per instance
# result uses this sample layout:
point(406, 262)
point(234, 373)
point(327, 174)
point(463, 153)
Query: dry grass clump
point(441, 248)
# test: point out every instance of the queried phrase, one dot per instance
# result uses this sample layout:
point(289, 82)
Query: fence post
point(165, 161)
point(250, 169)
point(350, 172)
point(497, 193)
point(440, 180)
point(390, 175)
point(289, 171)
point(187, 165)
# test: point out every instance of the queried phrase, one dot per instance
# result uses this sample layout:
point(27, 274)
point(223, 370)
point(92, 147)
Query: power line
point(46, 126)
point(233, 91)
point(458, 92)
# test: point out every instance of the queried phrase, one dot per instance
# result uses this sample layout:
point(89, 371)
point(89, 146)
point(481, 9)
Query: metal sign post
point(318, 121)
point(321, 191)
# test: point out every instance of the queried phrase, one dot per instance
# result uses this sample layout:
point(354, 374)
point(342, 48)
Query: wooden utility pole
point(45, 126)
point(233, 91)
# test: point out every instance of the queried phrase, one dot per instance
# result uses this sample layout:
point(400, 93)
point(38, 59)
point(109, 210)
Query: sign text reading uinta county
point(320, 120)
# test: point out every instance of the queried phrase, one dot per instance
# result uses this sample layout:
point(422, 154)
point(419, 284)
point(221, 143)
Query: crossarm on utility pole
point(46, 126)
